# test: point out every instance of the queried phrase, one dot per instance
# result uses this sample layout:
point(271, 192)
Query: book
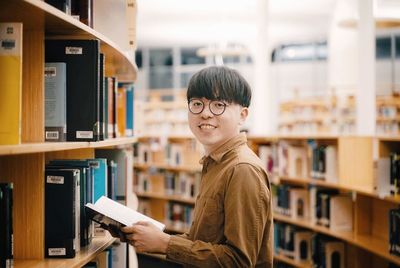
point(55, 101)
point(121, 111)
point(82, 58)
point(62, 238)
point(129, 110)
point(6, 225)
point(63, 5)
point(102, 99)
point(10, 82)
point(109, 212)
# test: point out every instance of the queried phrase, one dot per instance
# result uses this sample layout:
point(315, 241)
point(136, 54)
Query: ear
point(243, 115)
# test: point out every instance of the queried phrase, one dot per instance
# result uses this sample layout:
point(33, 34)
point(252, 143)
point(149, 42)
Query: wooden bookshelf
point(372, 244)
point(292, 262)
point(83, 256)
point(162, 196)
point(24, 164)
point(60, 146)
point(168, 167)
point(356, 157)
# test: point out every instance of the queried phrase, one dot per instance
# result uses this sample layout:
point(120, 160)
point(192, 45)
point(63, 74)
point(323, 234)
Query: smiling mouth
point(206, 126)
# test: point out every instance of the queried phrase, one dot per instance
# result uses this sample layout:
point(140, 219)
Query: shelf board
point(292, 262)
point(388, 138)
point(84, 256)
point(269, 139)
point(168, 167)
point(58, 23)
point(374, 245)
point(175, 198)
point(26, 148)
point(321, 183)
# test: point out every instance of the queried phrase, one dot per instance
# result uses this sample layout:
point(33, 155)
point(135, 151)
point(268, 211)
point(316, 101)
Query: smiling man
point(232, 220)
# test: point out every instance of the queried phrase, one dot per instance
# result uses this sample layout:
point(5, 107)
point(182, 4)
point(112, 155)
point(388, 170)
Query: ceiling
point(185, 22)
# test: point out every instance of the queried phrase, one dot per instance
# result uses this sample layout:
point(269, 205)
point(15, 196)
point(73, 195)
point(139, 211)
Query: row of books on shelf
point(176, 215)
point(308, 247)
point(182, 184)
point(81, 10)
point(387, 177)
point(69, 186)
point(325, 207)
point(314, 160)
point(186, 152)
point(81, 103)
point(6, 225)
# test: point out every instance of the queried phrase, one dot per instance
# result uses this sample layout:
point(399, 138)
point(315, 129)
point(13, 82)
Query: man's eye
point(219, 104)
point(197, 104)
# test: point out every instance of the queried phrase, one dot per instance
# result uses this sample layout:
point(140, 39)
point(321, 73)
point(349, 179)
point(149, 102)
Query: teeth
point(206, 126)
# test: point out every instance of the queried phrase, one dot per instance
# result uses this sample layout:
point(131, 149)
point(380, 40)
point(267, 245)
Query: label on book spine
point(52, 135)
point(57, 252)
point(55, 179)
point(84, 134)
point(73, 50)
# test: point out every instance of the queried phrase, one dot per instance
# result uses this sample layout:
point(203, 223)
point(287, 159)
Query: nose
point(206, 113)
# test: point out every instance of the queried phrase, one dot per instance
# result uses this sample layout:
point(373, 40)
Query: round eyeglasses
point(196, 106)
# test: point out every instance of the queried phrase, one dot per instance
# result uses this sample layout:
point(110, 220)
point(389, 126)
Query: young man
point(232, 222)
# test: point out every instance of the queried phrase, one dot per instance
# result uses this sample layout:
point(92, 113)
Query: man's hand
point(146, 237)
point(114, 231)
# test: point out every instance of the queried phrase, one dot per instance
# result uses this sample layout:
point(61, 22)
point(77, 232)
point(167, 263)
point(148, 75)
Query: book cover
point(382, 176)
point(121, 111)
point(341, 213)
point(331, 163)
point(63, 5)
point(10, 82)
point(55, 101)
point(299, 203)
point(109, 212)
point(110, 105)
point(102, 98)
point(302, 246)
point(6, 225)
point(86, 191)
point(129, 110)
point(82, 60)
point(60, 213)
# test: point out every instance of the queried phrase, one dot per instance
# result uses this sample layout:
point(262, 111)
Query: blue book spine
point(100, 177)
point(129, 110)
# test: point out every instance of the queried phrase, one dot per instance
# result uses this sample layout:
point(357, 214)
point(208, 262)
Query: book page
point(121, 213)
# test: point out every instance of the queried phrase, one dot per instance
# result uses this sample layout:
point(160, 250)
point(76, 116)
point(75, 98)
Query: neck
point(208, 149)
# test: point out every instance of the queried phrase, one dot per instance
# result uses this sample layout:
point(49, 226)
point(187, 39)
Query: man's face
point(213, 130)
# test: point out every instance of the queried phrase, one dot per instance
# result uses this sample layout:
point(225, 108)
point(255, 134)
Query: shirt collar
point(226, 147)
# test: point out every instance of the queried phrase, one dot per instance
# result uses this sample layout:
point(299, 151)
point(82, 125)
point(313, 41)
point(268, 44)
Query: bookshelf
point(167, 177)
point(24, 164)
point(368, 241)
point(164, 113)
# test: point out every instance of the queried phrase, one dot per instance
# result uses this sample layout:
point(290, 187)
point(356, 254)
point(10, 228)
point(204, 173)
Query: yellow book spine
point(10, 82)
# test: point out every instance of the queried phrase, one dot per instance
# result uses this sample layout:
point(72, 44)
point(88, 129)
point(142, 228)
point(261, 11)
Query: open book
point(109, 212)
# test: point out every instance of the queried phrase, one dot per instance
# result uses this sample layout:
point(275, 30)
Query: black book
point(60, 214)
point(83, 92)
point(6, 225)
point(102, 102)
point(63, 5)
point(87, 180)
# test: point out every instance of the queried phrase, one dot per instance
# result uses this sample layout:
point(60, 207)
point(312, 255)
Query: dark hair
point(220, 83)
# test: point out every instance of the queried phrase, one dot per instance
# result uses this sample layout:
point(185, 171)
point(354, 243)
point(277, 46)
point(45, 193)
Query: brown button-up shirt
point(232, 218)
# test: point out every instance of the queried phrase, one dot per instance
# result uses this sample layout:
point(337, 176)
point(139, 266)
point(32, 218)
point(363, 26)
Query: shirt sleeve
point(246, 208)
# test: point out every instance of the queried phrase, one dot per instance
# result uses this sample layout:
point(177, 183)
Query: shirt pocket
point(210, 220)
